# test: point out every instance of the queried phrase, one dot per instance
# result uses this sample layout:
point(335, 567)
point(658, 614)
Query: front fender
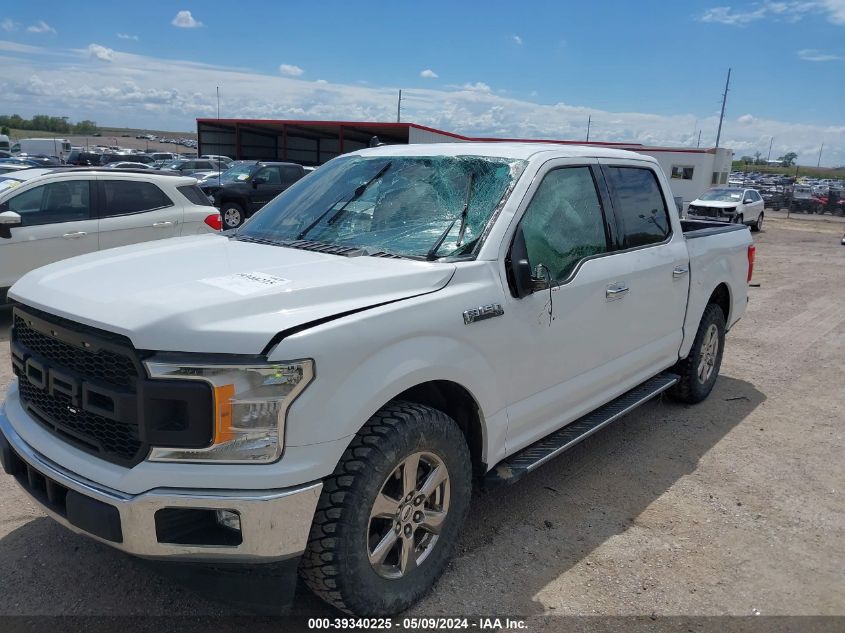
point(364, 360)
point(342, 399)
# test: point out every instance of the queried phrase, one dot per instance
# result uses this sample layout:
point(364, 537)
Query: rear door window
point(290, 174)
point(641, 213)
point(123, 197)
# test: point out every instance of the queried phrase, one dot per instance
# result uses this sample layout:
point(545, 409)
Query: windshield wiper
point(359, 191)
point(432, 252)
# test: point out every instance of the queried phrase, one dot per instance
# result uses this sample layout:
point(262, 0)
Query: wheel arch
point(721, 296)
point(458, 403)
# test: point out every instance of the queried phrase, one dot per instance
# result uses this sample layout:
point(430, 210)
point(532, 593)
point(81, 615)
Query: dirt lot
point(734, 506)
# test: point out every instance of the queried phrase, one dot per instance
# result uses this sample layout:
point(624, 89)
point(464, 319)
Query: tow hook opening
point(199, 526)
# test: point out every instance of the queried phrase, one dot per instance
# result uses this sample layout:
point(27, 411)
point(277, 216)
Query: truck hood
point(212, 294)
point(715, 204)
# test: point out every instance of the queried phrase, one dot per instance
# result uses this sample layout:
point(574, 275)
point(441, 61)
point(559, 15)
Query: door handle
point(74, 236)
point(680, 271)
point(616, 291)
point(160, 225)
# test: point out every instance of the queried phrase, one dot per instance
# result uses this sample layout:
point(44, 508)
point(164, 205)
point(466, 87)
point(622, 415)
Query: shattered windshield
point(413, 206)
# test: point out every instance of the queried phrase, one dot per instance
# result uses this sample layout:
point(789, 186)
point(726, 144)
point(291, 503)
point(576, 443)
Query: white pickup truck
point(321, 387)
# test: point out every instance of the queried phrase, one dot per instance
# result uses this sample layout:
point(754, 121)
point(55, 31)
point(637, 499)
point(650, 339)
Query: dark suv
point(244, 189)
point(84, 159)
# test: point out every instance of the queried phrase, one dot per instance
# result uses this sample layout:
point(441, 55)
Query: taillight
point(752, 251)
point(216, 223)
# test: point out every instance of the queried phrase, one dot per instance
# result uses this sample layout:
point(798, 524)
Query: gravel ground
point(734, 506)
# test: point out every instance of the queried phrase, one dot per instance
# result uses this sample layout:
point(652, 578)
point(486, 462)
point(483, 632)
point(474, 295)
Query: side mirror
point(520, 280)
point(258, 181)
point(8, 219)
point(747, 201)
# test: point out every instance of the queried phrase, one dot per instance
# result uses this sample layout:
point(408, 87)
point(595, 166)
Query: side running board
point(534, 456)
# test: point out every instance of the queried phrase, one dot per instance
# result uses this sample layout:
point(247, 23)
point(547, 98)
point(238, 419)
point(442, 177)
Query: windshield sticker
point(9, 184)
point(246, 283)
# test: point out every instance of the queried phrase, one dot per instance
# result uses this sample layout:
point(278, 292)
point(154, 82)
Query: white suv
point(52, 214)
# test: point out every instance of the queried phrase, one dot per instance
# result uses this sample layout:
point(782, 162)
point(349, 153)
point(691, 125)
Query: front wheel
point(391, 513)
point(232, 215)
point(699, 370)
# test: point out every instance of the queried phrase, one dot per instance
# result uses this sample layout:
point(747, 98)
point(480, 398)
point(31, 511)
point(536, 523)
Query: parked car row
point(51, 214)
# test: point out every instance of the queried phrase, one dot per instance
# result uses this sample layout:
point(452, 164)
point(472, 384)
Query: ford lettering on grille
point(78, 394)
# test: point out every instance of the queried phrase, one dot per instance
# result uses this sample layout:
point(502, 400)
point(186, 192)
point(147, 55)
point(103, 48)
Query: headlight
point(250, 405)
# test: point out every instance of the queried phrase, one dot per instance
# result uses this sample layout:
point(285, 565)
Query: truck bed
point(703, 228)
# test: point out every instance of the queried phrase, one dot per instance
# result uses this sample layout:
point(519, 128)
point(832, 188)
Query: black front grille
point(79, 355)
point(104, 365)
point(113, 440)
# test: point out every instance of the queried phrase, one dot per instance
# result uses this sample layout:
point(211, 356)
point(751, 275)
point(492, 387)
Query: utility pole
point(218, 102)
point(724, 100)
point(694, 128)
point(699, 139)
point(399, 107)
point(819, 164)
point(769, 155)
point(589, 121)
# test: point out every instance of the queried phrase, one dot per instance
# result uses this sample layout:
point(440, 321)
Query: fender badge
point(483, 312)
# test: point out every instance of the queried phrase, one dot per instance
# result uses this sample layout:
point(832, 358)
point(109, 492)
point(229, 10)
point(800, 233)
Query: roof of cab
point(519, 151)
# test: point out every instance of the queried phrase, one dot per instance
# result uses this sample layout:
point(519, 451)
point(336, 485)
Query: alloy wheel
point(709, 352)
point(407, 515)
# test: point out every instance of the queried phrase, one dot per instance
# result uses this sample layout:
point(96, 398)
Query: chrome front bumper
point(274, 523)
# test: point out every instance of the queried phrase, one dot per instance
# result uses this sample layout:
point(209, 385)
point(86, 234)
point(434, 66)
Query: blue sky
point(644, 70)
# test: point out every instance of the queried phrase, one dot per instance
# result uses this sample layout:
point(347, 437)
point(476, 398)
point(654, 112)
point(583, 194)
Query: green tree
point(757, 158)
point(5, 130)
point(747, 159)
point(788, 160)
point(85, 127)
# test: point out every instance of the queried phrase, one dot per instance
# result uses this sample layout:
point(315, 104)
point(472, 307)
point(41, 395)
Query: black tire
point(691, 388)
point(336, 564)
point(232, 214)
point(758, 224)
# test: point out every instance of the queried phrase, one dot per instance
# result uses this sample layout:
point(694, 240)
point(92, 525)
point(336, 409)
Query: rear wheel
point(390, 515)
point(700, 369)
point(232, 215)
point(758, 225)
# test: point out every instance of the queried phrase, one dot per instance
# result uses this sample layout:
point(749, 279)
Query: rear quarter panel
point(721, 258)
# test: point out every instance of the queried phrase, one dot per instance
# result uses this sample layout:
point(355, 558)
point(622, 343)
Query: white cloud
point(745, 119)
point(813, 55)
point(428, 73)
point(154, 93)
point(9, 25)
point(516, 39)
point(184, 20)
point(41, 27)
point(478, 86)
point(291, 71)
point(321, 81)
point(835, 10)
point(100, 52)
point(780, 10)
point(126, 36)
